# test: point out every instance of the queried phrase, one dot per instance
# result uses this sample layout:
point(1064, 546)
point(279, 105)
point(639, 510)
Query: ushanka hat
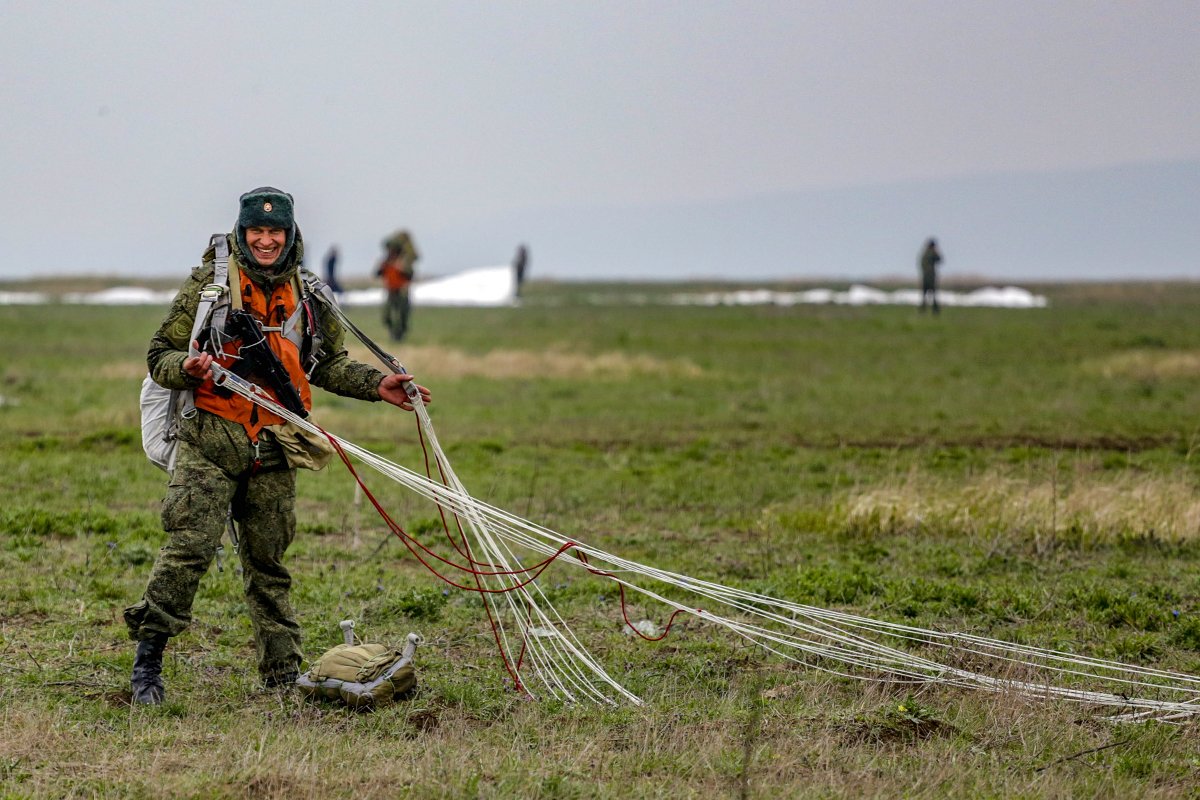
point(267, 207)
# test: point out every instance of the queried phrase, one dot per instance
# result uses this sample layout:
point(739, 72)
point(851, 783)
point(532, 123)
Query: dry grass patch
point(1102, 507)
point(1147, 365)
point(122, 370)
point(445, 362)
point(430, 362)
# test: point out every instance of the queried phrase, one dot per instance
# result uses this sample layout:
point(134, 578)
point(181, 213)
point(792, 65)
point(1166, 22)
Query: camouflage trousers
point(201, 494)
point(396, 311)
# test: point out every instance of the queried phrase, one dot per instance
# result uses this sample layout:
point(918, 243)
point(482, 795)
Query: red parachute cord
point(582, 556)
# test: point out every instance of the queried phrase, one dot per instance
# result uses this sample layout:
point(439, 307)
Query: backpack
point(162, 408)
point(160, 417)
point(363, 676)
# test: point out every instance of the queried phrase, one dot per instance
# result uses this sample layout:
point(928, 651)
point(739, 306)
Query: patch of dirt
point(424, 721)
point(780, 692)
point(30, 617)
point(118, 699)
point(893, 731)
point(272, 785)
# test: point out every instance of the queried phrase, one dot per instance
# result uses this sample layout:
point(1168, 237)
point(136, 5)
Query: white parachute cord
point(561, 667)
point(728, 596)
point(568, 652)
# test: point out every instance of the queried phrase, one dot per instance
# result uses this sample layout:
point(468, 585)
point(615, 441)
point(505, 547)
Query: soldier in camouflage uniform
point(397, 270)
point(229, 457)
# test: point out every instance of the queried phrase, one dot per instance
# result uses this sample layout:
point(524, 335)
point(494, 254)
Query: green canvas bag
point(362, 676)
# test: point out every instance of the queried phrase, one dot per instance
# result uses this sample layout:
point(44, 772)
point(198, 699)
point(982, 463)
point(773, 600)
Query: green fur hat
point(267, 207)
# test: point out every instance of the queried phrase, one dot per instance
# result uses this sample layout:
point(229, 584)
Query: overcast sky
point(130, 128)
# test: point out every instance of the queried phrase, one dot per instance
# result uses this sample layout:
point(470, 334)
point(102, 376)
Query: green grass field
point(1024, 474)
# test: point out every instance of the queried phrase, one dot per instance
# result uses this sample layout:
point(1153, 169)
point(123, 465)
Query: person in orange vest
point(397, 269)
point(235, 458)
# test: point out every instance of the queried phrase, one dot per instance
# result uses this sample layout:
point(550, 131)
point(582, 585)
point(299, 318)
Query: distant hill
point(1129, 222)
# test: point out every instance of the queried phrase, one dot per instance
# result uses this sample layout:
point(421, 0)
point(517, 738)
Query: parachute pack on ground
point(363, 676)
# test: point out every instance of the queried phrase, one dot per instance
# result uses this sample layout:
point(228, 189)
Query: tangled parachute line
point(544, 657)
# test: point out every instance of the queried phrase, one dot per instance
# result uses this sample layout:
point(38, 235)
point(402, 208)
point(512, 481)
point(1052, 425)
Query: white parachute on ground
point(860, 295)
point(486, 286)
point(497, 287)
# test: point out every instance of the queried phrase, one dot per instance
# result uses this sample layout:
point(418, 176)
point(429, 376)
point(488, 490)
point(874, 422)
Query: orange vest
point(395, 276)
point(270, 311)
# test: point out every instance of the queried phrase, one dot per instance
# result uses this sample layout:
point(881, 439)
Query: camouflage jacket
point(335, 372)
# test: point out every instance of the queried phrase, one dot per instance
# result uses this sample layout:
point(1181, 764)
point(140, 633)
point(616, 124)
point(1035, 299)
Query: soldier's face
point(266, 244)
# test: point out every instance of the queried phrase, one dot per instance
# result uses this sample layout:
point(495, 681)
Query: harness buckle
point(212, 291)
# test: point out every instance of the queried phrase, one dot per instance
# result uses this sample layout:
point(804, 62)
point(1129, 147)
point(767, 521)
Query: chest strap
point(292, 328)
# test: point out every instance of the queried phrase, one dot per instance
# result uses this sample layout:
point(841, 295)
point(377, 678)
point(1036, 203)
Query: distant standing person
point(397, 269)
point(930, 258)
point(331, 261)
point(520, 262)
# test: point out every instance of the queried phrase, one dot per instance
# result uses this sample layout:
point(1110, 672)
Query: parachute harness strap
point(210, 305)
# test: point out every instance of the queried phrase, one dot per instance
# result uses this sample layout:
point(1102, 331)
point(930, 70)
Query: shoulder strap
point(294, 329)
point(211, 305)
point(229, 275)
point(318, 288)
point(308, 334)
point(221, 283)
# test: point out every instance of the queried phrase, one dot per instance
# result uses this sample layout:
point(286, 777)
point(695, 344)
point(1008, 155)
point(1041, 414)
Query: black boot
point(147, 683)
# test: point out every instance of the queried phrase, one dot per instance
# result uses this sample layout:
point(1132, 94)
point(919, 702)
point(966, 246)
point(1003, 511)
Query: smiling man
point(234, 458)
point(266, 244)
